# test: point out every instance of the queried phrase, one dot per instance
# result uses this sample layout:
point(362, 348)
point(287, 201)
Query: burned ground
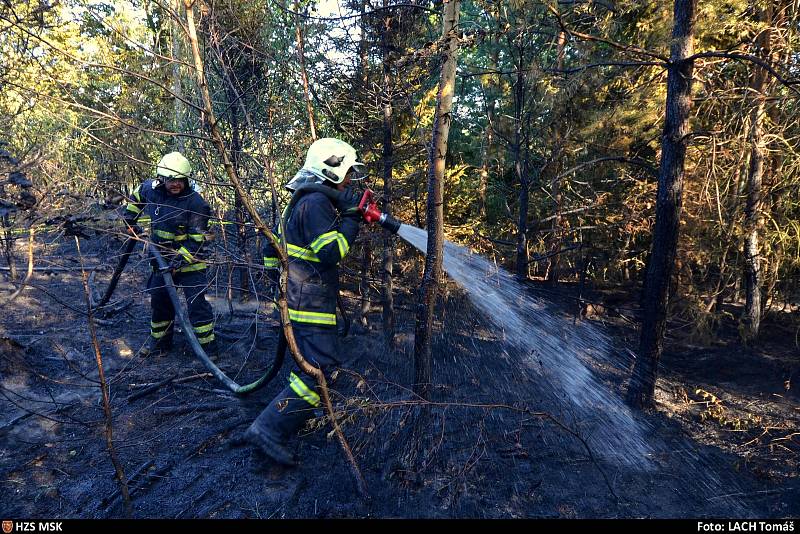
point(724, 436)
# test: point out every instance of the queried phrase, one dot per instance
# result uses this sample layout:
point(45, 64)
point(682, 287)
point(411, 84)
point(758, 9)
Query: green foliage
point(86, 89)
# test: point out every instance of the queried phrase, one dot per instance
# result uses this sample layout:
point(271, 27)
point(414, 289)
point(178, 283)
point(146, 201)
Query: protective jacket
point(178, 223)
point(316, 241)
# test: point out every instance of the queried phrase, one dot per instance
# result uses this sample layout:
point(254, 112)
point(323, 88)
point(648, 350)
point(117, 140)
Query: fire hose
point(130, 244)
point(183, 319)
point(369, 211)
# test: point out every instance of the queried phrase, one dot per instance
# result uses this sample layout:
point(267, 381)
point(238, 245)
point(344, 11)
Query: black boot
point(156, 347)
point(212, 350)
point(277, 452)
point(271, 431)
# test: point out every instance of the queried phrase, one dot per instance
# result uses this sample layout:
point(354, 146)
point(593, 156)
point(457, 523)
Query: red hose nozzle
point(371, 213)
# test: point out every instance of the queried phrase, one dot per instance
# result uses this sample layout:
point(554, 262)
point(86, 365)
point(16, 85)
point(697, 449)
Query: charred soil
point(725, 433)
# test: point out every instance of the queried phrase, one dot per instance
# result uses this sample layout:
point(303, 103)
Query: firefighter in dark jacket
point(178, 218)
point(318, 233)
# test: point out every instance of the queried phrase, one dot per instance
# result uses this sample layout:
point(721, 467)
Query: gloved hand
point(133, 230)
point(175, 263)
point(347, 203)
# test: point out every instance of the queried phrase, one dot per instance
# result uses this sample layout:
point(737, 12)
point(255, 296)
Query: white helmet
point(331, 159)
point(174, 165)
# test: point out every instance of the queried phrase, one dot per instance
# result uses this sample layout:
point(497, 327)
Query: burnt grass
point(724, 431)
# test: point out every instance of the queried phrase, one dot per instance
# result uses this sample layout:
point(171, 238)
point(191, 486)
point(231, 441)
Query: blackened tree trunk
point(432, 275)
point(490, 91)
point(519, 167)
point(554, 262)
point(668, 205)
point(241, 233)
point(388, 164)
point(363, 284)
point(751, 318)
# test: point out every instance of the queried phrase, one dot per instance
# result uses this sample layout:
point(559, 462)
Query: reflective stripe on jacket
point(316, 241)
point(177, 222)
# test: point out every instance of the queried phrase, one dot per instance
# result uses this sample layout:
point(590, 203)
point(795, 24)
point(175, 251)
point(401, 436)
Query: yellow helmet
point(174, 165)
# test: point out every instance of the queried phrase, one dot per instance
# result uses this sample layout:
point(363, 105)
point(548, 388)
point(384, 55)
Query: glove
point(175, 263)
point(347, 203)
point(133, 229)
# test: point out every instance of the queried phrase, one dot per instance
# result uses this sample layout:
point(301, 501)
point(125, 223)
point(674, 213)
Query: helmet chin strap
point(330, 176)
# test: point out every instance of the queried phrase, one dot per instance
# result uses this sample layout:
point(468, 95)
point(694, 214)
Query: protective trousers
point(201, 314)
point(292, 407)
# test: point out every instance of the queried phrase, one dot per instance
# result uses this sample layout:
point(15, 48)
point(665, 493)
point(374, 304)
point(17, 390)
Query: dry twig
point(109, 429)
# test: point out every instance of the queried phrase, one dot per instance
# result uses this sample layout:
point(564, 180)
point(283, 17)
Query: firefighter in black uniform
point(178, 218)
point(318, 233)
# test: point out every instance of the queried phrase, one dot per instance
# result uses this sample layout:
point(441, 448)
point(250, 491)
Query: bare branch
point(614, 44)
point(622, 159)
point(752, 59)
point(109, 429)
point(358, 15)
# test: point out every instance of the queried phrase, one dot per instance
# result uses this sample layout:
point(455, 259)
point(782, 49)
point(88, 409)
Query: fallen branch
point(109, 430)
point(176, 381)
point(158, 473)
point(151, 388)
point(15, 420)
point(193, 377)
point(178, 410)
point(118, 306)
point(105, 501)
point(53, 269)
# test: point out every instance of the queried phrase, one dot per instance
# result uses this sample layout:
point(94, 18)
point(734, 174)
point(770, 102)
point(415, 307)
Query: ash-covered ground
point(498, 443)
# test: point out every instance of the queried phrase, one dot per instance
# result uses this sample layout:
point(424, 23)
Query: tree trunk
point(522, 175)
point(490, 92)
point(179, 122)
point(388, 163)
point(668, 205)
point(8, 244)
point(239, 214)
point(436, 167)
point(554, 262)
point(301, 55)
point(751, 318)
point(363, 284)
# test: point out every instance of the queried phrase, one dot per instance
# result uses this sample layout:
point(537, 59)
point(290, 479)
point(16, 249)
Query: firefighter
point(178, 218)
point(318, 233)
